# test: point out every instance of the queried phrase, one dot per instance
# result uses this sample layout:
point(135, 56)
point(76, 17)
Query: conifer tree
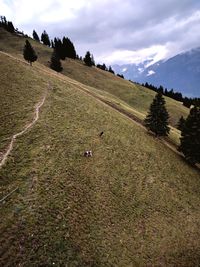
point(190, 137)
point(59, 48)
point(88, 59)
point(10, 27)
point(157, 118)
point(52, 44)
point(111, 70)
point(29, 53)
point(181, 123)
point(104, 67)
point(7, 25)
point(35, 36)
point(55, 62)
point(68, 48)
point(45, 38)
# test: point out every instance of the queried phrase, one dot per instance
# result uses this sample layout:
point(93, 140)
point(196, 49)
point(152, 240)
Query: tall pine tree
point(190, 136)
point(68, 48)
point(29, 53)
point(89, 60)
point(59, 48)
point(181, 123)
point(45, 38)
point(157, 118)
point(111, 70)
point(55, 62)
point(35, 36)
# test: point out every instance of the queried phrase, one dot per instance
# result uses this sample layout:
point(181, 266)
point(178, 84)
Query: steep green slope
point(19, 93)
point(134, 203)
point(134, 95)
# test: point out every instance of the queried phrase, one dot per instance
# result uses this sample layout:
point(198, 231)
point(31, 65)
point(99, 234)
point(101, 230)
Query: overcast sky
point(115, 31)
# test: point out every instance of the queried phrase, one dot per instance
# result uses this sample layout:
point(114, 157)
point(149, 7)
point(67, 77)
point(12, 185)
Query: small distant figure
point(88, 153)
point(100, 135)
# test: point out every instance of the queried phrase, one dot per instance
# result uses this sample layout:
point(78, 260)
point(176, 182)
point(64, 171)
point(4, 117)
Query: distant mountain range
point(181, 72)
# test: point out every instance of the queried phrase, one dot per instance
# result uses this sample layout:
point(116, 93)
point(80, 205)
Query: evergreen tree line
point(156, 121)
point(64, 48)
point(61, 50)
point(109, 69)
point(7, 25)
point(175, 95)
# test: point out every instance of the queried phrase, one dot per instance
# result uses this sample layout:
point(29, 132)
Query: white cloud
point(114, 31)
point(150, 72)
point(153, 53)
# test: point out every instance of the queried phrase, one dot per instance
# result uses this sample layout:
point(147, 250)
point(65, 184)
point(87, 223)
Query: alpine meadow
point(95, 170)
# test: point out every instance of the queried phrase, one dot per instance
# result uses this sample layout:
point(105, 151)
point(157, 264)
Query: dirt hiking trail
point(27, 127)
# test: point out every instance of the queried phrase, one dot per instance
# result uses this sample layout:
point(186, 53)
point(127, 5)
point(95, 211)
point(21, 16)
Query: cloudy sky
point(115, 31)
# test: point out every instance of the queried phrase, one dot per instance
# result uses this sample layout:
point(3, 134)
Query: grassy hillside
point(134, 203)
point(19, 93)
point(135, 96)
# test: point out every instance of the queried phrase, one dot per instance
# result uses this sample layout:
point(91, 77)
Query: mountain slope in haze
point(134, 203)
point(181, 72)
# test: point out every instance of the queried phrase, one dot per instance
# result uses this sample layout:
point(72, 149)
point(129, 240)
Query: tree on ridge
point(88, 59)
point(55, 62)
point(190, 137)
point(29, 53)
point(35, 36)
point(157, 118)
point(45, 38)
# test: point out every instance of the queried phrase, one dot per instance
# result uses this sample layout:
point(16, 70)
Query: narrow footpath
point(27, 127)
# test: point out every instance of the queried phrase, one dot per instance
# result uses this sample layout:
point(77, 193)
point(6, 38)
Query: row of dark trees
point(7, 25)
point(61, 50)
point(109, 69)
point(105, 68)
point(65, 48)
point(157, 122)
point(172, 94)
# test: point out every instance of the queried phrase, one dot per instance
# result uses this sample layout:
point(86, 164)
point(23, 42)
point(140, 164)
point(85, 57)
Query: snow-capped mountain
point(181, 72)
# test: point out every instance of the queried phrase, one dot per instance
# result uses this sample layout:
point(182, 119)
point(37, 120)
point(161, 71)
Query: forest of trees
point(64, 48)
point(175, 95)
